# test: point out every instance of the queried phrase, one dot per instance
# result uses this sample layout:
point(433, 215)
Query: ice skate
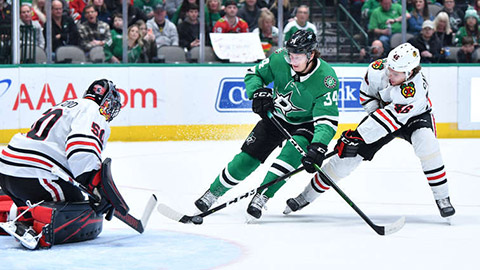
point(295, 204)
point(206, 201)
point(445, 207)
point(255, 206)
point(23, 233)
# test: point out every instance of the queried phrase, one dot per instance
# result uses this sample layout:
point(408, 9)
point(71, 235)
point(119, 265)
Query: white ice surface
point(327, 234)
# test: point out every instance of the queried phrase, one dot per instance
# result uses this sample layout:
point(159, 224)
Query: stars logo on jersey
point(408, 90)
point(251, 139)
point(284, 103)
point(378, 64)
point(330, 82)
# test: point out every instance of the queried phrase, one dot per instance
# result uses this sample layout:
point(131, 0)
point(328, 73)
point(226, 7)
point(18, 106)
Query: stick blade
point(394, 227)
point(148, 210)
point(172, 214)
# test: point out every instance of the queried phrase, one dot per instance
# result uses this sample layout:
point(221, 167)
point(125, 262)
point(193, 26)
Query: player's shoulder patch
point(378, 64)
point(279, 50)
point(330, 82)
point(408, 90)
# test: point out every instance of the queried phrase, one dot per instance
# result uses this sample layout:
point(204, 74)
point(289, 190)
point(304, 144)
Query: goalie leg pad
point(62, 223)
point(109, 191)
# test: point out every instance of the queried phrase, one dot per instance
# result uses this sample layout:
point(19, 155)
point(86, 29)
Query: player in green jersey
point(304, 100)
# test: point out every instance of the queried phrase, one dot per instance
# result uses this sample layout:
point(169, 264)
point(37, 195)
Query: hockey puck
point(197, 220)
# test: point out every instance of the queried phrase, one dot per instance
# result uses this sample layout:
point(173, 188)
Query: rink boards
point(208, 102)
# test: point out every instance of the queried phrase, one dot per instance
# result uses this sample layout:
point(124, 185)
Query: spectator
point(189, 29)
point(230, 23)
point(385, 21)
point(287, 11)
point(212, 14)
point(465, 54)
point(26, 20)
point(250, 13)
point(374, 52)
point(420, 13)
point(267, 31)
point(455, 14)
point(113, 50)
point(442, 28)
point(471, 28)
point(149, 45)
point(76, 9)
point(135, 45)
point(147, 6)
point(5, 13)
point(39, 13)
point(356, 9)
point(368, 7)
point(181, 12)
point(263, 3)
point(172, 6)
point(103, 14)
point(133, 13)
point(164, 30)
point(476, 6)
point(300, 23)
point(427, 44)
point(93, 32)
point(64, 30)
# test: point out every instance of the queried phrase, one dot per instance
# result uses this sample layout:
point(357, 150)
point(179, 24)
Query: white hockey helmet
point(404, 58)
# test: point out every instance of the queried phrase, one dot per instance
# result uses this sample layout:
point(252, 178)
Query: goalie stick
point(198, 219)
point(381, 230)
point(134, 223)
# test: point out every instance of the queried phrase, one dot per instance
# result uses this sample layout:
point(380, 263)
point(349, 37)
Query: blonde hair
point(264, 15)
point(442, 16)
point(139, 40)
point(219, 5)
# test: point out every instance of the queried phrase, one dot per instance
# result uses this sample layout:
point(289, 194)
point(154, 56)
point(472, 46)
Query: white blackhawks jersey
point(69, 136)
point(390, 107)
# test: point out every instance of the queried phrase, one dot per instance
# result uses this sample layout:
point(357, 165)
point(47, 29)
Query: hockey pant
point(261, 142)
point(58, 223)
point(426, 148)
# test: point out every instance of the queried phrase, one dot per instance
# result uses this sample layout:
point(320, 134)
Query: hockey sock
point(288, 160)
point(237, 170)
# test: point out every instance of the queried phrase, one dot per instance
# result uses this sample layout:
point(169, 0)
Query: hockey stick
point(381, 230)
point(134, 223)
point(198, 219)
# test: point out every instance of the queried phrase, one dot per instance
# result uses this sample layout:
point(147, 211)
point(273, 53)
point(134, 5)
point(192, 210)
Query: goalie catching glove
point(101, 184)
point(262, 102)
point(315, 156)
point(349, 143)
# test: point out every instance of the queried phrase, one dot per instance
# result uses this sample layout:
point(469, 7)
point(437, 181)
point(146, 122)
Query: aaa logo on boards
point(232, 96)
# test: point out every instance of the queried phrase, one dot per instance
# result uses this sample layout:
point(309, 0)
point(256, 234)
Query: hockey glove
point(349, 143)
point(92, 180)
point(262, 102)
point(315, 155)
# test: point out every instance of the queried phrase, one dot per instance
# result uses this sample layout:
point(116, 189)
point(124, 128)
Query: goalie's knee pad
point(68, 222)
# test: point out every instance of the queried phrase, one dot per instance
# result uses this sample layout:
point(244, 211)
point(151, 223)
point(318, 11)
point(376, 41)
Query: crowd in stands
point(433, 26)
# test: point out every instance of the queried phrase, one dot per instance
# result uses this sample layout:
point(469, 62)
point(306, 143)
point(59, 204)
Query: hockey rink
point(327, 234)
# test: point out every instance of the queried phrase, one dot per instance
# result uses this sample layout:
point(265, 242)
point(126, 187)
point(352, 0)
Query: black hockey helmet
point(104, 93)
point(302, 41)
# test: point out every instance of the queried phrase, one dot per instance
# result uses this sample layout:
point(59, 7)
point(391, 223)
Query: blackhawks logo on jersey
point(408, 90)
point(378, 64)
point(330, 82)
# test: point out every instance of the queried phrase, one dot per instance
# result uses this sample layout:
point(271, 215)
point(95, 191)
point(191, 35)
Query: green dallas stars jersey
point(299, 99)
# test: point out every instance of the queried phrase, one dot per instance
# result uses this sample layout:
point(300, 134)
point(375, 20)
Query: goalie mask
point(104, 93)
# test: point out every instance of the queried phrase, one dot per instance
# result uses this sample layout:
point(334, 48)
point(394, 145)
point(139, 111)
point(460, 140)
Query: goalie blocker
point(52, 223)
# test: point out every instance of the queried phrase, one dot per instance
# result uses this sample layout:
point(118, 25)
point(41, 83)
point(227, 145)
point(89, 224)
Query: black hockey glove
point(262, 102)
point(349, 143)
point(315, 155)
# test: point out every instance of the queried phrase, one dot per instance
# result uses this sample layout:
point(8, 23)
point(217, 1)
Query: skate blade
point(287, 210)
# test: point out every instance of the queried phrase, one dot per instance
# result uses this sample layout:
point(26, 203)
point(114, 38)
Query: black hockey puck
point(197, 220)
